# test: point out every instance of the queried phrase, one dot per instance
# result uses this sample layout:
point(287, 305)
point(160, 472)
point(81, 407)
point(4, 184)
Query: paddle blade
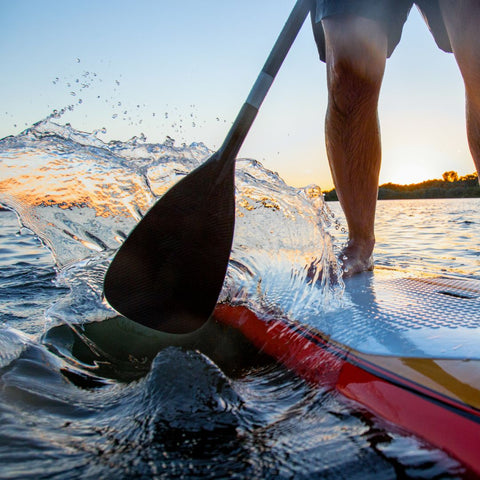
point(168, 273)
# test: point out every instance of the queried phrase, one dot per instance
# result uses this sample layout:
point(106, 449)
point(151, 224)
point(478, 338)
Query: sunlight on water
point(84, 394)
point(437, 237)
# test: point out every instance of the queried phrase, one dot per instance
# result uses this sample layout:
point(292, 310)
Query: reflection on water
point(179, 416)
point(439, 236)
point(85, 395)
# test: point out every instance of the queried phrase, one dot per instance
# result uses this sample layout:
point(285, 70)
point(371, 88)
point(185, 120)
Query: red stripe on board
point(389, 396)
point(280, 341)
point(394, 378)
point(443, 427)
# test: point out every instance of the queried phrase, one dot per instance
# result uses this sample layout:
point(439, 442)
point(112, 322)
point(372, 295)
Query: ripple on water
point(72, 412)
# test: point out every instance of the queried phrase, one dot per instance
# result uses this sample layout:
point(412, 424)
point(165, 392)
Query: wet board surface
point(390, 313)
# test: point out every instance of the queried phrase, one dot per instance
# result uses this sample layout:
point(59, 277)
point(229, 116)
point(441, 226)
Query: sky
point(184, 68)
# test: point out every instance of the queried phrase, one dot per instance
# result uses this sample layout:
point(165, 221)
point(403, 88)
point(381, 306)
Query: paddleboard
point(406, 348)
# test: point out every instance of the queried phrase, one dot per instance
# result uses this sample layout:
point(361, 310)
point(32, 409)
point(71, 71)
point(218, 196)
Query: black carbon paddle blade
point(168, 273)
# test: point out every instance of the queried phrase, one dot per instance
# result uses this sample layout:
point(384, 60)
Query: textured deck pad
point(389, 313)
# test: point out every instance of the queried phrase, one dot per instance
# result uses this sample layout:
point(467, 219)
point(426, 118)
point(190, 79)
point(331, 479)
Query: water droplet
point(80, 100)
point(78, 60)
point(117, 82)
point(114, 116)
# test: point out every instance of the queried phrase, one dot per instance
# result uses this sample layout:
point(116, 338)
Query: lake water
point(70, 410)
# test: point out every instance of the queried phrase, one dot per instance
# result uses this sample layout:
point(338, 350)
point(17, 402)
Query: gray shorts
point(392, 14)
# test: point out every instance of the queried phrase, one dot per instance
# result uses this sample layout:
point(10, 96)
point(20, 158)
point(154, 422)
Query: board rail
point(442, 416)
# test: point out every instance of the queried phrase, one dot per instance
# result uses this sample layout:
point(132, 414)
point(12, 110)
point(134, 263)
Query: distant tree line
point(450, 186)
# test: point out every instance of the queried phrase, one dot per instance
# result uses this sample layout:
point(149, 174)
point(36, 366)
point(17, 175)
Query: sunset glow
point(185, 69)
point(409, 172)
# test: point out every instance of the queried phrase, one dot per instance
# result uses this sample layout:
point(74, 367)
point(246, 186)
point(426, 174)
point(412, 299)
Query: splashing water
point(82, 197)
point(68, 409)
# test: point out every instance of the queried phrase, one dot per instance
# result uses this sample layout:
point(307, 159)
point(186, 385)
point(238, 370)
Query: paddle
point(168, 273)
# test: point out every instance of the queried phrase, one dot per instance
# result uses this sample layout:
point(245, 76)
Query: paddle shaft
point(169, 272)
point(249, 110)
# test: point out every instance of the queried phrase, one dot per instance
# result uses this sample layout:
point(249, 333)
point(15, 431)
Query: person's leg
point(356, 52)
point(462, 21)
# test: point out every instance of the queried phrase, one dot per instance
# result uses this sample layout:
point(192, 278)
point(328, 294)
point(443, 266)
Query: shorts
point(392, 14)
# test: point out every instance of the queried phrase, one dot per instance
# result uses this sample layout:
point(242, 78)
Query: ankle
point(357, 256)
point(362, 247)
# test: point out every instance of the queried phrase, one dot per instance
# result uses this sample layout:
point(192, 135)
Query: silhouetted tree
point(450, 176)
point(452, 186)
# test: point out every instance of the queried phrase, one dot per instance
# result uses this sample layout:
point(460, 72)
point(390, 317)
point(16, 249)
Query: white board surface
point(392, 313)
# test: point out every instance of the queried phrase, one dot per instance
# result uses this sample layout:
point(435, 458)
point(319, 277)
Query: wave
point(82, 196)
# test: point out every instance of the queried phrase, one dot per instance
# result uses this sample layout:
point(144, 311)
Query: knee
point(466, 48)
point(353, 85)
point(462, 18)
point(467, 56)
point(356, 56)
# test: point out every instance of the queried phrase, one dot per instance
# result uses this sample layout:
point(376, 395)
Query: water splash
point(83, 196)
point(12, 343)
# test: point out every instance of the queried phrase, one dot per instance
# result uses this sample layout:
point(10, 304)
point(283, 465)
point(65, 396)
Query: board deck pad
point(389, 313)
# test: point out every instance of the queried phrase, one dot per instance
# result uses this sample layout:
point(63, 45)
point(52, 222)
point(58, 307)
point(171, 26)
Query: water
point(79, 400)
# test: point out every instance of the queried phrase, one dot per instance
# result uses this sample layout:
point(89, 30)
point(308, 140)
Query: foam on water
point(12, 343)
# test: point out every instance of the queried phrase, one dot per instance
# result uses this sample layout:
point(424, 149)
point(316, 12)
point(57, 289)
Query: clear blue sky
point(184, 68)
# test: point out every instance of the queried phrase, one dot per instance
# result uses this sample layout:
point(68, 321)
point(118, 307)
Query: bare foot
point(357, 257)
